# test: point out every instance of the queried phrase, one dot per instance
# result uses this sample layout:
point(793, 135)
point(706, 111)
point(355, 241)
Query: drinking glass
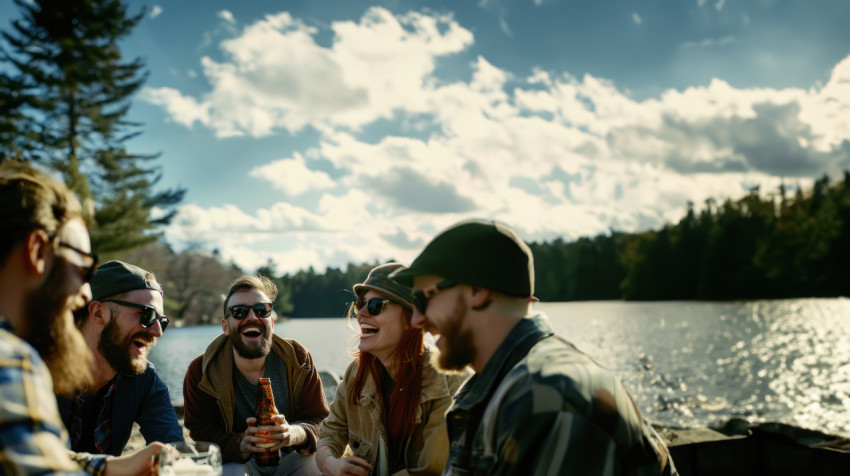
point(190, 459)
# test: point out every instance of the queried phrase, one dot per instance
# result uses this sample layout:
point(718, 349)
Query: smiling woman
point(392, 372)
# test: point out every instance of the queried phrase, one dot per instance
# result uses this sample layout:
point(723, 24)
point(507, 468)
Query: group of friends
point(496, 391)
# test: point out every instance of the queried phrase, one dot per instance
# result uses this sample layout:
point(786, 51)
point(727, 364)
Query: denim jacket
point(540, 406)
point(143, 399)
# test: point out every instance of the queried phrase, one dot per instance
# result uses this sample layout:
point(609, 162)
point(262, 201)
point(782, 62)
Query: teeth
point(367, 326)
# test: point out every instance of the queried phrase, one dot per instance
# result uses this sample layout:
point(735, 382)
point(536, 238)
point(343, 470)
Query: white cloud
point(292, 175)
point(636, 18)
point(181, 109)
point(277, 77)
point(719, 5)
point(155, 11)
point(227, 16)
point(551, 154)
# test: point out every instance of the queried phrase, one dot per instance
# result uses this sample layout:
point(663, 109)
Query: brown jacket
point(209, 399)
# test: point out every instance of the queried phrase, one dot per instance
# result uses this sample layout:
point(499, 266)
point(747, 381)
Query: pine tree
point(70, 90)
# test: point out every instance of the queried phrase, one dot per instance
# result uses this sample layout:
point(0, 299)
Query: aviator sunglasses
point(148, 315)
point(422, 296)
point(375, 305)
point(240, 311)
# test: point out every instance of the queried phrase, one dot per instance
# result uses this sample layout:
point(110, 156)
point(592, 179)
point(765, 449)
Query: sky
point(321, 133)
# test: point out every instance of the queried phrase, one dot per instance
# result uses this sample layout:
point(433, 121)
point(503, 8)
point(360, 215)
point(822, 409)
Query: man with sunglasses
point(536, 405)
point(121, 324)
point(45, 263)
point(220, 388)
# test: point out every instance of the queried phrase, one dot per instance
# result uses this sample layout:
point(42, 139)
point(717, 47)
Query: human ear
point(481, 298)
point(38, 256)
point(96, 311)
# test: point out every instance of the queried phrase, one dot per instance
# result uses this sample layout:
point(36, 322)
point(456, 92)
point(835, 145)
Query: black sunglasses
point(240, 311)
point(375, 305)
point(87, 271)
point(148, 315)
point(422, 296)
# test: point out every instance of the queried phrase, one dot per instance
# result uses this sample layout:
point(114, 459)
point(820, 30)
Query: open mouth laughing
point(143, 342)
point(252, 331)
point(367, 330)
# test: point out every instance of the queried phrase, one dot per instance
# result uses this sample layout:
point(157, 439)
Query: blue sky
point(317, 133)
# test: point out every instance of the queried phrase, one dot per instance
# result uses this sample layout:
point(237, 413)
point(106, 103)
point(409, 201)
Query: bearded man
point(120, 325)
point(536, 405)
point(220, 388)
point(45, 265)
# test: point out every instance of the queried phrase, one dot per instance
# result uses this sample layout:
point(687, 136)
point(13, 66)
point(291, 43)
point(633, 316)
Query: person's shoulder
point(14, 349)
point(351, 371)
point(196, 365)
point(23, 378)
point(554, 374)
point(286, 345)
point(554, 356)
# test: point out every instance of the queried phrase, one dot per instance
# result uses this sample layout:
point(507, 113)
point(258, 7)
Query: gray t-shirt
point(246, 392)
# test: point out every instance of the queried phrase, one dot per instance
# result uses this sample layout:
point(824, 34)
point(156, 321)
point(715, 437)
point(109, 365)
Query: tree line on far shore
point(761, 246)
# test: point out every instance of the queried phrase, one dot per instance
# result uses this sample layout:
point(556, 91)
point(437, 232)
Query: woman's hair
point(404, 399)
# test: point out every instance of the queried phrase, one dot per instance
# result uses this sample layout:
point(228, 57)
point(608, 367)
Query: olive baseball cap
point(480, 253)
point(116, 277)
point(379, 280)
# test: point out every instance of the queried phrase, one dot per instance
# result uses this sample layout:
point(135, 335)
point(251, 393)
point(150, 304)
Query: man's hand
point(286, 434)
point(137, 463)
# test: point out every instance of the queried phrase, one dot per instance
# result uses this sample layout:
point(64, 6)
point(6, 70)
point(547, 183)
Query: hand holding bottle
point(271, 437)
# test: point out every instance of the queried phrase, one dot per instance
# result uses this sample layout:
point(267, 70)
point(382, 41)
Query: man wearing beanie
point(120, 325)
point(536, 404)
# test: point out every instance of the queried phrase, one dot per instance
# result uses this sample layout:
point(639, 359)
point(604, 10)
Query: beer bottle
point(264, 413)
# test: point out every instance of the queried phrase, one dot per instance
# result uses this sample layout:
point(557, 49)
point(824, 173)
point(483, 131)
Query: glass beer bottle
point(264, 413)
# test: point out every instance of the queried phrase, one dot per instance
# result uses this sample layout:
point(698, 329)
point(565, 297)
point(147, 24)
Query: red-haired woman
point(387, 416)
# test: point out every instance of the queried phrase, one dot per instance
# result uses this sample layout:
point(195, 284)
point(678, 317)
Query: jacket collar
point(434, 383)
point(217, 365)
point(522, 337)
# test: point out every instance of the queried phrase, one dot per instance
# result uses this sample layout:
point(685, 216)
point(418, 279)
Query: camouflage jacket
point(540, 406)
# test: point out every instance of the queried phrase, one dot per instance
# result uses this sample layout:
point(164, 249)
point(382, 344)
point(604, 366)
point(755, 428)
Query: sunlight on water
point(686, 363)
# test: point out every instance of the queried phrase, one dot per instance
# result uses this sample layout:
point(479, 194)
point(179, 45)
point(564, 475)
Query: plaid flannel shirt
point(32, 437)
point(540, 406)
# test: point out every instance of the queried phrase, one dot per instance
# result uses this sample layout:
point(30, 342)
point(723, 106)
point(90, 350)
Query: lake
point(686, 363)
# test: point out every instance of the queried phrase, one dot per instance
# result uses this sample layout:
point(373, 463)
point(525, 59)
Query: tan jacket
point(359, 430)
point(209, 400)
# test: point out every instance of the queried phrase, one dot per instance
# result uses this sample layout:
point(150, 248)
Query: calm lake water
point(686, 363)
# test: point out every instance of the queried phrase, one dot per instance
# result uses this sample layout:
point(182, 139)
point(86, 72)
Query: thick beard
point(116, 351)
point(54, 335)
point(258, 351)
point(458, 347)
